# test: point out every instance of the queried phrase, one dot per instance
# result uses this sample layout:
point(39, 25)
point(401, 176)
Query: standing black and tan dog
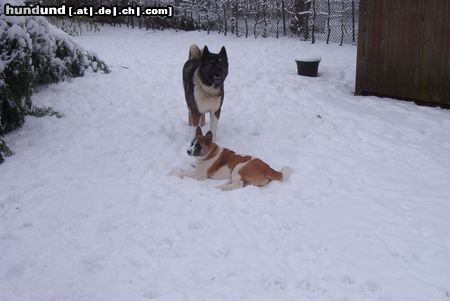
point(203, 76)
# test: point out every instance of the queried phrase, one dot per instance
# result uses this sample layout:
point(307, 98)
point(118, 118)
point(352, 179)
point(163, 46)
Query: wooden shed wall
point(404, 49)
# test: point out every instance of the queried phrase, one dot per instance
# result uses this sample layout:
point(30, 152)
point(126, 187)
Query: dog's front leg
point(214, 120)
point(194, 174)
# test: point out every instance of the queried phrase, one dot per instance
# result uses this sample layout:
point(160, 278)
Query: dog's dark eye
point(197, 149)
point(196, 144)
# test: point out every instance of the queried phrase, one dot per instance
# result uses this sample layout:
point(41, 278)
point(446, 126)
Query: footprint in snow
point(198, 226)
point(26, 225)
point(92, 263)
point(165, 243)
point(16, 270)
point(409, 217)
point(271, 282)
point(408, 206)
point(371, 287)
point(198, 230)
point(289, 226)
point(221, 253)
point(150, 294)
point(304, 284)
point(347, 280)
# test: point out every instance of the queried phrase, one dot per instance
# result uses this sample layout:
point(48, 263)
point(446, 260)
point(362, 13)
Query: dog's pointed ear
point(198, 131)
point(205, 52)
point(223, 51)
point(209, 137)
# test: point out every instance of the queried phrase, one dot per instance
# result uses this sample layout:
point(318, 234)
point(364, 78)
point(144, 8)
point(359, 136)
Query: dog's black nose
point(188, 152)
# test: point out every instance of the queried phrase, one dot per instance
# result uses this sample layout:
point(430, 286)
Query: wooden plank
point(437, 87)
point(417, 25)
point(387, 75)
point(410, 48)
point(404, 49)
point(426, 63)
point(373, 42)
point(445, 80)
point(361, 50)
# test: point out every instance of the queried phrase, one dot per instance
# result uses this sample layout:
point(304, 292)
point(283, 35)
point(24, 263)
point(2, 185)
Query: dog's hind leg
point(236, 180)
point(231, 186)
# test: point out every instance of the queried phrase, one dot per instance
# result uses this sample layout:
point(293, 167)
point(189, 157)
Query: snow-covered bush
point(33, 52)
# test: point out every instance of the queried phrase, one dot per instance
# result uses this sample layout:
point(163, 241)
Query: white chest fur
point(202, 167)
point(206, 97)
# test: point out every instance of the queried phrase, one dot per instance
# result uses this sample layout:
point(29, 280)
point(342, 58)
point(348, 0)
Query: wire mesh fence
point(326, 20)
point(332, 21)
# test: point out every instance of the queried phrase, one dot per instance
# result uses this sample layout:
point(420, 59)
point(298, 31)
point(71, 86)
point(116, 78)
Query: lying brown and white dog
point(219, 163)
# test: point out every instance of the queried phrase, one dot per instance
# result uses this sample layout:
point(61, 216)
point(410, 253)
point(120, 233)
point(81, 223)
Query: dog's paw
point(231, 186)
point(177, 172)
point(221, 187)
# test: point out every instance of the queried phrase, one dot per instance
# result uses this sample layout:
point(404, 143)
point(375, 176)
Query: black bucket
point(308, 67)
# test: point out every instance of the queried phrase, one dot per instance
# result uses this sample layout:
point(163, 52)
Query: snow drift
point(32, 53)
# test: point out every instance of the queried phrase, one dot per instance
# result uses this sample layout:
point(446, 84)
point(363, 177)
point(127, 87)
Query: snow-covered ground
point(89, 212)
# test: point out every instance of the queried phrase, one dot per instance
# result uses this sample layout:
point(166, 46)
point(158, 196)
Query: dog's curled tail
point(194, 52)
point(286, 171)
point(281, 175)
